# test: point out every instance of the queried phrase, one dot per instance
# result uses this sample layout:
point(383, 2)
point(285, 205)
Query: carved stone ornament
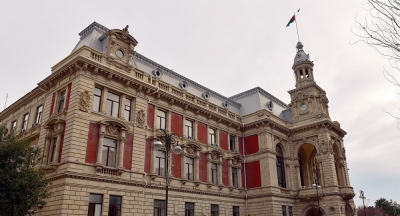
point(140, 118)
point(125, 32)
point(190, 150)
point(112, 129)
point(84, 101)
point(214, 156)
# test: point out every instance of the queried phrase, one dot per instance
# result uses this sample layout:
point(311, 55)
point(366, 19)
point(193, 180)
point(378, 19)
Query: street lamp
point(176, 150)
point(363, 198)
point(316, 185)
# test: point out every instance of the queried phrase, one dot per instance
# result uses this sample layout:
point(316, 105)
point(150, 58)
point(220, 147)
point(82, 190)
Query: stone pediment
point(124, 35)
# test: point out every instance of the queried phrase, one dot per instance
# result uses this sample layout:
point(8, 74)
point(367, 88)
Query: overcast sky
point(230, 47)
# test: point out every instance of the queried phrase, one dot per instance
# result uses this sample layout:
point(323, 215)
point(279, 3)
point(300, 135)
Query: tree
point(389, 207)
point(381, 30)
point(370, 211)
point(23, 185)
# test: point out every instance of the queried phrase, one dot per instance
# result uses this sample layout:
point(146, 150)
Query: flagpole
point(298, 37)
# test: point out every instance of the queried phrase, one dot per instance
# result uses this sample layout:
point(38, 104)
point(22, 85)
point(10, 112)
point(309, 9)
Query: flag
point(291, 20)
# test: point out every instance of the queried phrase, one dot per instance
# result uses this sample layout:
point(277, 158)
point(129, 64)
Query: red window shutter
point(202, 132)
point(225, 172)
point(92, 143)
point(177, 124)
point(128, 151)
point(251, 144)
point(223, 139)
point(150, 115)
point(253, 175)
point(147, 156)
point(203, 167)
point(177, 165)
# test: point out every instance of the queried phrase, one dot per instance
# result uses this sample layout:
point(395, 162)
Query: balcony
point(347, 192)
point(309, 194)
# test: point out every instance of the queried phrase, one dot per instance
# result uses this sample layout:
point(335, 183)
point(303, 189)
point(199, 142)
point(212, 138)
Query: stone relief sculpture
point(112, 129)
point(84, 101)
point(140, 118)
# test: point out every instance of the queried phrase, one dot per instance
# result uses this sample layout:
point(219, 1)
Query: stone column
point(100, 145)
point(121, 146)
point(196, 166)
point(46, 148)
point(58, 142)
point(121, 110)
point(297, 166)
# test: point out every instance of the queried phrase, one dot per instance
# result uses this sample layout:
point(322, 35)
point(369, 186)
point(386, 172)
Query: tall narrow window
point(160, 163)
point(159, 208)
point(290, 211)
point(112, 106)
point(114, 208)
point(95, 202)
point(280, 167)
point(13, 126)
point(236, 211)
point(61, 101)
point(189, 129)
point(214, 210)
point(214, 173)
point(283, 210)
point(211, 133)
point(109, 152)
point(189, 209)
point(39, 111)
point(189, 168)
point(235, 177)
point(96, 99)
point(127, 111)
point(161, 119)
point(232, 143)
point(52, 149)
point(25, 121)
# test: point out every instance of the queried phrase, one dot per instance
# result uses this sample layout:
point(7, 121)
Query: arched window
point(280, 167)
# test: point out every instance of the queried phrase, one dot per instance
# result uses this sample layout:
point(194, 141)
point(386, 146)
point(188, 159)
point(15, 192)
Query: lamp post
point(363, 198)
point(168, 137)
point(316, 185)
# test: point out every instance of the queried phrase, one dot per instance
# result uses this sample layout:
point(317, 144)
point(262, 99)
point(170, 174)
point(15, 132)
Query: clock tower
point(308, 100)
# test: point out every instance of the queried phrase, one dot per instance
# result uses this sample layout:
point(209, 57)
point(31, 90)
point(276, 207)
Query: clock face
point(303, 107)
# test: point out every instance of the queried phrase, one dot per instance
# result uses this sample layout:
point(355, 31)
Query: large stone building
point(95, 117)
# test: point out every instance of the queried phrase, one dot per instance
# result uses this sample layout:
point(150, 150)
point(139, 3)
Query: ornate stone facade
point(99, 118)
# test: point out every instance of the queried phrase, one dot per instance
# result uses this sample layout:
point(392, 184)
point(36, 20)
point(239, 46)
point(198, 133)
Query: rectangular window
point(159, 208)
point(39, 111)
point(290, 211)
point(235, 210)
point(189, 168)
point(112, 106)
point(212, 133)
point(127, 110)
point(161, 119)
point(160, 163)
point(13, 126)
point(95, 202)
point(25, 121)
point(189, 209)
point(52, 149)
point(189, 129)
point(96, 99)
point(114, 208)
point(283, 210)
point(214, 210)
point(235, 177)
point(214, 173)
point(109, 152)
point(61, 101)
point(232, 143)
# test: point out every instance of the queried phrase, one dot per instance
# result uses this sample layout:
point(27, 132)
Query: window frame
point(160, 161)
point(290, 210)
point(61, 100)
point(235, 177)
point(39, 112)
point(189, 209)
point(112, 103)
point(189, 128)
point(189, 176)
point(212, 135)
point(235, 210)
point(127, 111)
point(214, 173)
point(232, 142)
point(116, 206)
point(52, 149)
point(95, 204)
point(160, 124)
point(25, 120)
point(280, 167)
point(284, 213)
point(99, 98)
point(105, 146)
point(159, 204)
point(214, 210)
point(13, 126)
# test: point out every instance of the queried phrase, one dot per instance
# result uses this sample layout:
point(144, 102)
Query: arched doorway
point(309, 167)
point(314, 211)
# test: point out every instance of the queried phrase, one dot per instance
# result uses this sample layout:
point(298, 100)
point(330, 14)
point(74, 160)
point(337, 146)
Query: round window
point(119, 53)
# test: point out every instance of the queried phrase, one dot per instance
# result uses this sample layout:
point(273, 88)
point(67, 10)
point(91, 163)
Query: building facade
point(97, 115)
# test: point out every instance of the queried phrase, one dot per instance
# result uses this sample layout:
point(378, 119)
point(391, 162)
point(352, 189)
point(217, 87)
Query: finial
point(300, 55)
point(299, 45)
